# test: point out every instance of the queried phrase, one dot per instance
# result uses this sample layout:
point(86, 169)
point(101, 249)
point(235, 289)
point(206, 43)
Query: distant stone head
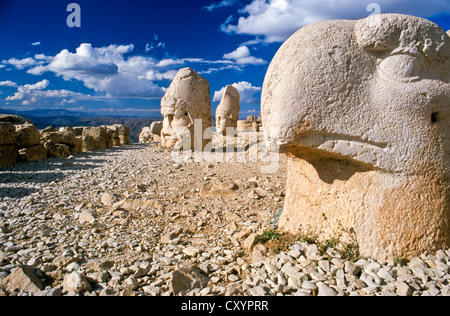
point(227, 113)
point(187, 99)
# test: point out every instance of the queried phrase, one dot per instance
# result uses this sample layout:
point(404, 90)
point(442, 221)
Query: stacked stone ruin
point(251, 123)
point(21, 141)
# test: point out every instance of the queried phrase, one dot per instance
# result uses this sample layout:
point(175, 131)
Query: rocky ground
point(131, 221)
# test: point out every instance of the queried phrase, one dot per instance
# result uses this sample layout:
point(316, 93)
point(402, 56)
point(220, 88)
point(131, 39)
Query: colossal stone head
point(363, 109)
point(186, 100)
point(227, 113)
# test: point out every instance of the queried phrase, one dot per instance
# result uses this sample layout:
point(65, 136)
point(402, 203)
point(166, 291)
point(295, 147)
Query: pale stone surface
point(247, 126)
point(137, 251)
point(19, 138)
point(34, 153)
point(145, 135)
point(151, 133)
point(86, 217)
point(227, 113)
point(363, 113)
point(57, 150)
point(76, 283)
point(186, 100)
point(109, 199)
point(23, 279)
point(243, 126)
point(186, 278)
point(155, 129)
point(27, 135)
point(94, 138)
point(123, 133)
point(65, 135)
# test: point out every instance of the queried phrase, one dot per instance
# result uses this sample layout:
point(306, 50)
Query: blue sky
point(126, 52)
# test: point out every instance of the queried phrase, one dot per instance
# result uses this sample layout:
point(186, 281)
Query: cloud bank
point(247, 91)
point(276, 20)
point(35, 93)
point(242, 56)
point(116, 72)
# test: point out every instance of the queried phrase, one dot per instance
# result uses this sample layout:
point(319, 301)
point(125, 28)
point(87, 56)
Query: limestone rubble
point(130, 221)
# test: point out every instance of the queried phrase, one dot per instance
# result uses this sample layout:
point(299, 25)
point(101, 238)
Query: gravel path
point(131, 221)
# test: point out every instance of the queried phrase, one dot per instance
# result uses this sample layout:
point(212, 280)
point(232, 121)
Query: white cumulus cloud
point(35, 93)
point(29, 62)
point(115, 71)
point(242, 56)
point(246, 90)
point(276, 20)
point(106, 70)
point(20, 63)
point(8, 83)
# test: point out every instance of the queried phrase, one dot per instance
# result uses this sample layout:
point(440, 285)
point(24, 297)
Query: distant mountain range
point(48, 113)
point(60, 117)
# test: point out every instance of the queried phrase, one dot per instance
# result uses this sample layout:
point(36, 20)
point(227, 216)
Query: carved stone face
point(227, 113)
point(376, 90)
point(186, 100)
point(174, 126)
point(364, 113)
point(224, 121)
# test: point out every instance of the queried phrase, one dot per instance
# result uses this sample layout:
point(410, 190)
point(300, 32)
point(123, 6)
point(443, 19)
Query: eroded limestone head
point(375, 91)
point(186, 100)
point(227, 113)
point(363, 110)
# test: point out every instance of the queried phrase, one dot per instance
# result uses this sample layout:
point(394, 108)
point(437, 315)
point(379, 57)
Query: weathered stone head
point(186, 100)
point(227, 113)
point(363, 109)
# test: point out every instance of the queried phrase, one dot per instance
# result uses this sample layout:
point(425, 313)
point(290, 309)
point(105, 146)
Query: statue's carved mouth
point(317, 140)
point(339, 146)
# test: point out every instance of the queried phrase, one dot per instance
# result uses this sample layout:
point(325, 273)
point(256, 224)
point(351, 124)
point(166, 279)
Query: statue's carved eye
point(401, 67)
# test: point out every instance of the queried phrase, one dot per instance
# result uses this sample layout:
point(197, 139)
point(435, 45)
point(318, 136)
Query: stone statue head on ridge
point(363, 109)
